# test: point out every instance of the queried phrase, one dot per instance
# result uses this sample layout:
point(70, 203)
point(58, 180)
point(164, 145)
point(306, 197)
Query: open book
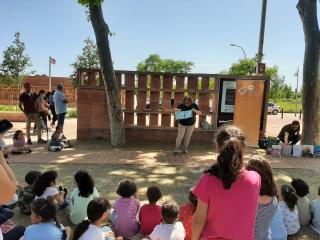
point(184, 114)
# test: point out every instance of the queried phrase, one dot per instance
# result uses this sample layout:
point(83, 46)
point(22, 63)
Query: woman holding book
point(187, 112)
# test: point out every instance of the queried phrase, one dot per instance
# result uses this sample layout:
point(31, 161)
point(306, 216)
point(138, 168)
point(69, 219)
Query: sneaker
point(41, 141)
point(176, 151)
point(29, 142)
point(185, 151)
point(29, 151)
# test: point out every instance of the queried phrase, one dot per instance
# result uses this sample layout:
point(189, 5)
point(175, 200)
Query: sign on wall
point(228, 96)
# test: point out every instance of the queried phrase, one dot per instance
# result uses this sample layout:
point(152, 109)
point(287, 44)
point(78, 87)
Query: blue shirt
point(58, 98)
point(48, 231)
point(278, 229)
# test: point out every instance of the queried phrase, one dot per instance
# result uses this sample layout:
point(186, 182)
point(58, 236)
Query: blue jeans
point(61, 117)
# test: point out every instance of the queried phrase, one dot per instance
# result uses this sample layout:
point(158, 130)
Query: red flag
point(52, 60)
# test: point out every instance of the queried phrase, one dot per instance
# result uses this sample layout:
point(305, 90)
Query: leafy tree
point(154, 63)
point(102, 33)
point(243, 67)
point(15, 61)
point(248, 67)
point(89, 58)
point(287, 91)
point(311, 72)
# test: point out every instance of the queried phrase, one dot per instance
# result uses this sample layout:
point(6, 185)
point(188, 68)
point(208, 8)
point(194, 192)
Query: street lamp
point(235, 45)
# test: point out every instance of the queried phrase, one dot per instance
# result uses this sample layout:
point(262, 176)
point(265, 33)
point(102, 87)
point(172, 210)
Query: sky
point(199, 31)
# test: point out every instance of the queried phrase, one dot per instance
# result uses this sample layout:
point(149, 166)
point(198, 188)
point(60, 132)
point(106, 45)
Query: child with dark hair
point(227, 193)
point(267, 202)
point(289, 209)
point(45, 186)
point(45, 224)
point(26, 195)
point(170, 229)
point(186, 213)
point(302, 190)
point(315, 212)
point(19, 143)
point(150, 214)
point(59, 140)
point(98, 210)
point(126, 209)
point(81, 196)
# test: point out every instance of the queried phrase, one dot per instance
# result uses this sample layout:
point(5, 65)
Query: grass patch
point(9, 108)
point(72, 113)
point(289, 105)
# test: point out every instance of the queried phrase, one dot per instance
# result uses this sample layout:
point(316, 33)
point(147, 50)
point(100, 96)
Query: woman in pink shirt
point(227, 193)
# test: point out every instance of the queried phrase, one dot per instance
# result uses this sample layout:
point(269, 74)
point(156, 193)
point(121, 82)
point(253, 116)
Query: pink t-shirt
point(126, 223)
point(149, 217)
point(232, 212)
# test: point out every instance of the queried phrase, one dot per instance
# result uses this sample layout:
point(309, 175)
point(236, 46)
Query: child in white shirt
point(170, 229)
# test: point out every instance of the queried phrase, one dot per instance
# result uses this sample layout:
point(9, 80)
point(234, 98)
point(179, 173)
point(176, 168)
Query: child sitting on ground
point(45, 224)
point(59, 140)
point(315, 212)
point(302, 190)
point(3, 146)
point(45, 186)
point(150, 214)
point(126, 209)
point(19, 143)
point(89, 229)
point(170, 229)
point(81, 196)
point(289, 209)
point(26, 195)
point(186, 213)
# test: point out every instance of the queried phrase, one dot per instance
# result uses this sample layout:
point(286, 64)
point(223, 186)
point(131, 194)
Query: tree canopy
point(89, 58)
point(154, 63)
point(15, 61)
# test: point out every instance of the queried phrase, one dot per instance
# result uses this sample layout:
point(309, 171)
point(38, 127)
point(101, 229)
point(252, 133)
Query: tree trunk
point(311, 75)
point(101, 31)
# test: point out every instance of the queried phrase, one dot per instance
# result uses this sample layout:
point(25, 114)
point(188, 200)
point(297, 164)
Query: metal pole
point(49, 73)
point(297, 75)
point(262, 27)
point(244, 53)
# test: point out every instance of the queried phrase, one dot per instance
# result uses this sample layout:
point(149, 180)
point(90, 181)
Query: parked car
point(273, 108)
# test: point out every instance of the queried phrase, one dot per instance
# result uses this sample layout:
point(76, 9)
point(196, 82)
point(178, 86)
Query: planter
point(13, 116)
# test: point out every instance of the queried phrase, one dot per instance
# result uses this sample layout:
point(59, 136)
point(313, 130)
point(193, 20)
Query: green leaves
point(89, 2)
point(89, 58)
point(154, 63)
point(15, 61)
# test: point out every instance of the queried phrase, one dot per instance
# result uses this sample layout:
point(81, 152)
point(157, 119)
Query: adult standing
point(27, 104)
point(227, 193)
point(289, 134)
point(60, 103)
point(52, 108)
point(186, 126)
point(42, 106)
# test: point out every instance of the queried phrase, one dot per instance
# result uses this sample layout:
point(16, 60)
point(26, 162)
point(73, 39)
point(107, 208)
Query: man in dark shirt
point(289, 134)
point(27, 104)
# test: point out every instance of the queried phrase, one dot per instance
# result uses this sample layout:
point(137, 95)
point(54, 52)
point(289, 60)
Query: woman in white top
point(81, 196)
point(45, 186)
point(289, 209)
point(89, 229)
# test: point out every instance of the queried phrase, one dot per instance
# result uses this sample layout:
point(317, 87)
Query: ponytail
point(43, 181)
point(95, 210)
point(231, 141)
point(289, 196)
point(46, 209)
point(80, 229)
